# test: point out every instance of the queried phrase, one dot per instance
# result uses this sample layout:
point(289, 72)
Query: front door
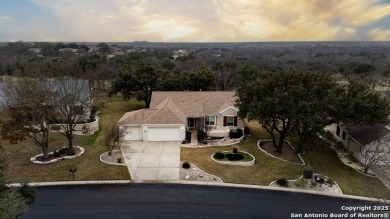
point(191, 122)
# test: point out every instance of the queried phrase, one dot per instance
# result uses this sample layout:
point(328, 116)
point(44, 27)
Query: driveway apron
point(155, 161)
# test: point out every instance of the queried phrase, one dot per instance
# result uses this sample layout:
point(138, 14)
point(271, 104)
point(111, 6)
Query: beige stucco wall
point(354, 147)
point(349, 143)
point(333, 128)
point(229, 112)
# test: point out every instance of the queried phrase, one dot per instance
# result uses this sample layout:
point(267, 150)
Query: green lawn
point(267, 169)
point(89, 167)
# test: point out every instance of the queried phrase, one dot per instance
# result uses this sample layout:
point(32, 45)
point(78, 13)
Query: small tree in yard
point(27, 108)
point(377, 152)
point(111, 136)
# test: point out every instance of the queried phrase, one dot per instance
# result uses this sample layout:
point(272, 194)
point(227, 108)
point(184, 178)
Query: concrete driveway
point(156, 161)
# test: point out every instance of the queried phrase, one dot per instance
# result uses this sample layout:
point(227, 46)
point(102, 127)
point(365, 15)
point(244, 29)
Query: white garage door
point(164, 134)
point(132, 134)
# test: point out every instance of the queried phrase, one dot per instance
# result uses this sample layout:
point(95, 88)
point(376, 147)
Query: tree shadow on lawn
point(288, 153)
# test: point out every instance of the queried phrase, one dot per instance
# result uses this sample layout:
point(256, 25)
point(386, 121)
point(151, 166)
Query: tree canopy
point(302, 103)
point(140, 81)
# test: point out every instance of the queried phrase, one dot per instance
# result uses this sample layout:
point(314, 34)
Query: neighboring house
point(357, 138)
point(179, 53)
point(70, 50)
point(60, 89)
point(171, 113)
point(79, 93)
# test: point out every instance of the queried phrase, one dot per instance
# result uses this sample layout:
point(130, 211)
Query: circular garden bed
point(115, 158)
point(235, 157)
point(57, 155)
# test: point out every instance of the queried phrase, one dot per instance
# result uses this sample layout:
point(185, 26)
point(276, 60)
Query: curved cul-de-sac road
point(179, 201)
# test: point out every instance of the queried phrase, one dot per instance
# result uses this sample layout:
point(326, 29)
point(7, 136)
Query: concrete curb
point(117, 182)
point(64, 183)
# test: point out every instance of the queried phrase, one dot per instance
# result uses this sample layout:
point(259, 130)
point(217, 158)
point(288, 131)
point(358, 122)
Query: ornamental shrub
point(247, 131)
point(186, 165)
point(201, 134)
point(56, 153)
point(70, 153)
point(307, 172)
point(219, 155)
point(282, 182)
point(63, 150)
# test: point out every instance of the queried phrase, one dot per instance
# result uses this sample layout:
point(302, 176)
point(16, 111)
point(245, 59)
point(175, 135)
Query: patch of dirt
point(52, 157)
point(288, 153)
point(196, 174)
point(310, 184)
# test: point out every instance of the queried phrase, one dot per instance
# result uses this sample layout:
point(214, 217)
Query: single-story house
point(172, 113)
point(358, 138)
point(76, 90)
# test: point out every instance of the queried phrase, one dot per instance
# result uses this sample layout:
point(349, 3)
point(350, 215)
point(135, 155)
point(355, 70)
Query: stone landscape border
point(335, 183)
point(236, 163)
point(33, 159)
point(118, 164)
point(220, 143)
point(200, 170)
point(299, 155)
point(78, 129)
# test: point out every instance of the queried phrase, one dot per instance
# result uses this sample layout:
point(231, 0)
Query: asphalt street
point(180, 201)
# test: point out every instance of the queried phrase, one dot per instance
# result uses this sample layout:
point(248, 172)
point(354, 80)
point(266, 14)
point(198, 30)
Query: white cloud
point(379, 35)
point(215, 20)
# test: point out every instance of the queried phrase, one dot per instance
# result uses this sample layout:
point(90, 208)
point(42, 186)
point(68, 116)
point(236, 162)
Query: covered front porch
point(211, 129)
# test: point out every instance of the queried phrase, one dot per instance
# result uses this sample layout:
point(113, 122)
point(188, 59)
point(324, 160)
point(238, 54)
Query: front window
point(230, 121)
point(338, 131)
point(210, 120)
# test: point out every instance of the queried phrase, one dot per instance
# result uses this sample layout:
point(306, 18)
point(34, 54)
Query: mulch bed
point(288, 153)
point(52, 157)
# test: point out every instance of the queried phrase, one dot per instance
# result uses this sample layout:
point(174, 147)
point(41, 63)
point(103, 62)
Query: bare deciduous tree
point(111, 137)
point(27, 108)
point(73, 101)
point(375, 153)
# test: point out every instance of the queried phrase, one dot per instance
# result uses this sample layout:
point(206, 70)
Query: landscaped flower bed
point(235, 157)
point(326, 185)
point(61, 154)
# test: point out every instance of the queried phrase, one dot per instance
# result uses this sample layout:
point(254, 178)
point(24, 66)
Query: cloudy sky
point(194, 20)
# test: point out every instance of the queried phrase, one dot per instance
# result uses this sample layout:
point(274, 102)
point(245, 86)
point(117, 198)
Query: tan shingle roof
point(137, 116)
point(195, 103)
point(173, 107)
